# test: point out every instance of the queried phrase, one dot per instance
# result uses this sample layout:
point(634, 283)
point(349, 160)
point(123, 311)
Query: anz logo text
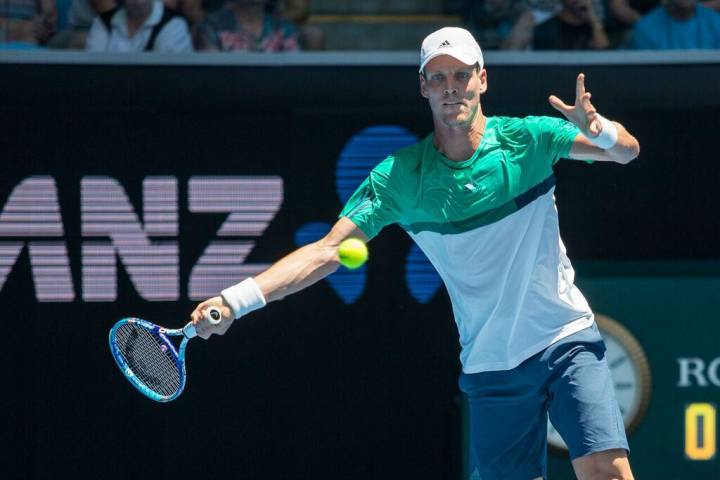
point(147, 247)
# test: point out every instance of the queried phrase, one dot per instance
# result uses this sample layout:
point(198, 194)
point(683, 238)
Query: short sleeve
point(374, 204)
point(555, 136)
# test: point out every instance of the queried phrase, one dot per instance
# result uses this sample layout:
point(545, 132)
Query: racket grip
point(189, 330)
point(213, 315)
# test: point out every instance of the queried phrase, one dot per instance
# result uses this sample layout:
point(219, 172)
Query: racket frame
point(186, 332)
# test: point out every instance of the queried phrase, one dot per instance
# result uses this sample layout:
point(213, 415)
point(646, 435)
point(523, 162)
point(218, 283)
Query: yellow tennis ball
point(353, 253)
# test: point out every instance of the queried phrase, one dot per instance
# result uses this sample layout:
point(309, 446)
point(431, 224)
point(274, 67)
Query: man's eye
point(463, 75)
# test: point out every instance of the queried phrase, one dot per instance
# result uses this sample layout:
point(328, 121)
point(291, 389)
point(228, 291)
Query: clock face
point(630, 373)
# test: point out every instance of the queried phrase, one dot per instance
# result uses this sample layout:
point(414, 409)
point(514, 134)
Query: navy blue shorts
point(570, 381)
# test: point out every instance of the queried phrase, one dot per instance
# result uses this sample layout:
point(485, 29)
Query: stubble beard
point(463, 119)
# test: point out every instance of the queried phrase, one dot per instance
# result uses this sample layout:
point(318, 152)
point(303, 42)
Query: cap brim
point(466, 58)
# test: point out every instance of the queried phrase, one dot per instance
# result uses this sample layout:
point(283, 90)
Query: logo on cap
point(444, 44)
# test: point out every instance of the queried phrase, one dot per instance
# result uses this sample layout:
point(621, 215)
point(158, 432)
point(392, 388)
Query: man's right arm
point(308, 264)
point(292, 273)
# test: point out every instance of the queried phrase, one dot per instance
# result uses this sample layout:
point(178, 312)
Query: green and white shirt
point(489, 225)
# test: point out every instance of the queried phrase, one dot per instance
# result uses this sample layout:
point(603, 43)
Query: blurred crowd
point(159, 25)
point(594, 24)
point(282, 25)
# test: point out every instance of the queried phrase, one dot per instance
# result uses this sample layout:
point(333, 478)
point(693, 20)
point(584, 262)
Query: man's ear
point(483, 81)
point(423, 91)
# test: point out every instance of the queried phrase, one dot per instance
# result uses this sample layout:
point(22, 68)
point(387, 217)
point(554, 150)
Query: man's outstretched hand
point(583, 113)
point(203, 326)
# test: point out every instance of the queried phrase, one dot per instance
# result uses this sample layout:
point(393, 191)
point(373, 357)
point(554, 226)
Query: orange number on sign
point(700, 438)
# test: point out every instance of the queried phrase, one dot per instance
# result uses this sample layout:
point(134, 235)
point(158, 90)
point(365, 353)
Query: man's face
point(579, 8)
point(138, 8)
point(453, 90)
point(683, 5)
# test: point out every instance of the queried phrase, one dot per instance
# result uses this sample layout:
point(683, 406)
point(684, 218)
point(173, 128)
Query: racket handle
point(213, 315)
point(189, 330)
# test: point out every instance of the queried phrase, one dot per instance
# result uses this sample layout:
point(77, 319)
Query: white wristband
point(608, 136)
point(244, 297)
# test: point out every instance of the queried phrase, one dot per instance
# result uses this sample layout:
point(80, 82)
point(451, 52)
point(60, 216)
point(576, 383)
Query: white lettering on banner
point(112, 229)
point(33, 210)
point(712, 372)
point(153, 266)
point(252, 203)
point(693, 368)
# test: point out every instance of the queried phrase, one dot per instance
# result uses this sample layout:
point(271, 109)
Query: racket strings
point(149, 358)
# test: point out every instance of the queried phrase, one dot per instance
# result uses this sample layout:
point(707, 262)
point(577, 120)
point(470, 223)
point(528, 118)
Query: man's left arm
point(600, 139)
point(625, 150)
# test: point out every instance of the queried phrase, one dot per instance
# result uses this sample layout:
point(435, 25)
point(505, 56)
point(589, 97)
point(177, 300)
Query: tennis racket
point(147, 357)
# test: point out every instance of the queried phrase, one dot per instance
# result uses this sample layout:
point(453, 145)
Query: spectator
point(195, 11)
point(140, 25)
point(79, 20)
point(628, 12)
point(576, 27)
point(543, 9)
point(245, 26)
point(27, 23)
point(678, 24)
point(298, 12)
point(623, 15)
point(500, 24)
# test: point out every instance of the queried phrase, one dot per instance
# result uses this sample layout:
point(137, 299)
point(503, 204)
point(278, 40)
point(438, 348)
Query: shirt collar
point(488, 138)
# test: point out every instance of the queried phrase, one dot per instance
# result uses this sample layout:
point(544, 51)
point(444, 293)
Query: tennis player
point(477, 197)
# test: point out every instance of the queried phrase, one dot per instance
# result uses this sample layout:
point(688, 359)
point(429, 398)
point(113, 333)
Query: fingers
point(591, 116)
point(197, 315)
point(587, 107)
point(218, 302)
point(595, 126)
point(203, 327)
point(582, 113)
point(559, 104)
point(579, 87)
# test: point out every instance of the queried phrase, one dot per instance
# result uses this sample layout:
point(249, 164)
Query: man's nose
point(450, 87)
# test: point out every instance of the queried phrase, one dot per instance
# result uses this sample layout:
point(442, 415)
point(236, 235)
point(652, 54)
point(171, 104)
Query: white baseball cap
point(453, 41)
